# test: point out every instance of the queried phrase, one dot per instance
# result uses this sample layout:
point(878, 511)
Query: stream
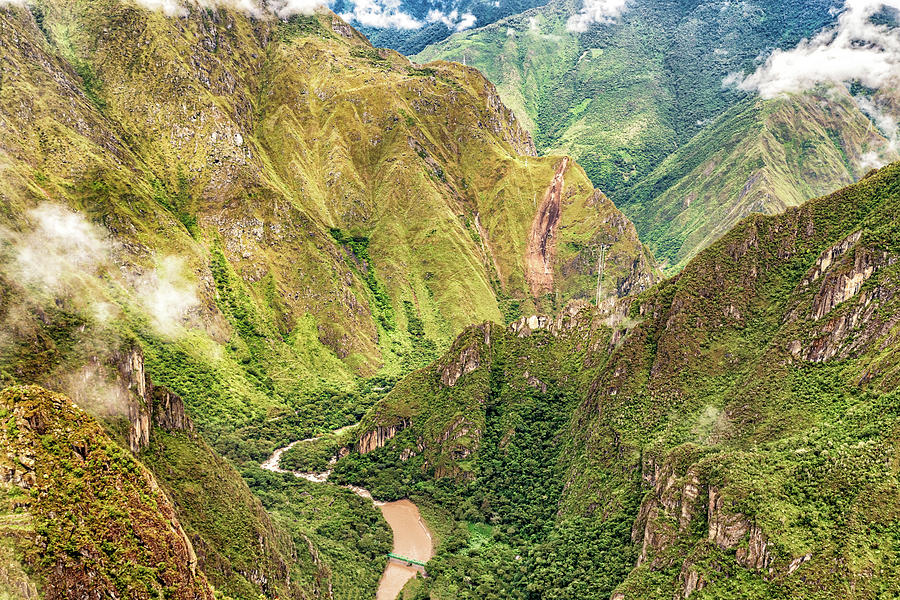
point(412, 539)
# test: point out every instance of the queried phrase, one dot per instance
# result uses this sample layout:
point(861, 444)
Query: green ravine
point(731, 433)
point(221, 234)
point(193, 209)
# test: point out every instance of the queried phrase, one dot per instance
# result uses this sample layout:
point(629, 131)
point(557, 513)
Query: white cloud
point(886, 123)
point(286, 8)
point(466, 20)
point(256, 8)
point(172, 8)
point(12, 3)
point(62, 247)
point(382, 14)
point(167, 294)
point(853, 50)
point(452, 20)
point(596, 11)
point(66, 255)
point(510, 32)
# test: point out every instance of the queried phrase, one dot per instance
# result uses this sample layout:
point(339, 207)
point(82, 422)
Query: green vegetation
point(350, 535)
point(88, 517)
point(622, 96)
point(737, 418)
point(760, 156)
point(737, 442)
point(640, 103)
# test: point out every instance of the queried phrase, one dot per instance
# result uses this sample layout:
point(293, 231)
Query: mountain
point(230, 234)
point(728, 433)
point(762, 156)
point(307, 233)
point(223, 232)
point(631, 88)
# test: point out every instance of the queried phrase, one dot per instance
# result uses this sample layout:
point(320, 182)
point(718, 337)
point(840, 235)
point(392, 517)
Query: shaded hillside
point(729, 433)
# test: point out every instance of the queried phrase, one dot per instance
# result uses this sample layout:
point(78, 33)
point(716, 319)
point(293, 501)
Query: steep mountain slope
point(326, 210)
point(628, 91)
point(761, 156)
point(730, 433)
point(221, 233)
point(86, 518)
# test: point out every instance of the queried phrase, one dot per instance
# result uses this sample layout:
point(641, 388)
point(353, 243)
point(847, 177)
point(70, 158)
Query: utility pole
point(601, 263)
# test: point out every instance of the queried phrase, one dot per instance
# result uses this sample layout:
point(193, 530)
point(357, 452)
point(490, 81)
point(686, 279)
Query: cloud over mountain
point(856, 49)
point(596, 11)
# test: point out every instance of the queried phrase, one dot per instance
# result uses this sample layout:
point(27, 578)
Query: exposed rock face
point(540, 252)
point(827, 258)
point(839, 287)
point(757, 554)
point(147, 404)
point(168, 410)
point(380, 435)
point(468, 357)
point(668, 512)
point(725, 529)
point(691, 581)
point(567, 319)
point(847, 312)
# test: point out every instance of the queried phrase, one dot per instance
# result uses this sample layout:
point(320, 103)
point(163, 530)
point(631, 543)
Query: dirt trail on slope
point(541, 250)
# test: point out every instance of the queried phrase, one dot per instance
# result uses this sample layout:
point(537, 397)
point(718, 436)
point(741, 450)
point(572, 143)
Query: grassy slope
point(332, 228)
point(760, 156)
point(331, 233)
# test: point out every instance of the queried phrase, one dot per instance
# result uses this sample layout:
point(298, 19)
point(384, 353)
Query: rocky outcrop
point(168, 410)
point(843, 285)
point(828, 256)
point(756, 555)
point(380, 435)
point(569, 318)
point(691, 581)
point(667, 511)
point(467, 354)
point(726, 529)
point(674, 504)
point(840, 273)
point(147, 404)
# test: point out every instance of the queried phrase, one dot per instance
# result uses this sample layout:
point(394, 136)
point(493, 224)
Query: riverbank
point(411, 536)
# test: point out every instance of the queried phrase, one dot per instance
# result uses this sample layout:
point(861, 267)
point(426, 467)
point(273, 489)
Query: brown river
point(412, 539)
